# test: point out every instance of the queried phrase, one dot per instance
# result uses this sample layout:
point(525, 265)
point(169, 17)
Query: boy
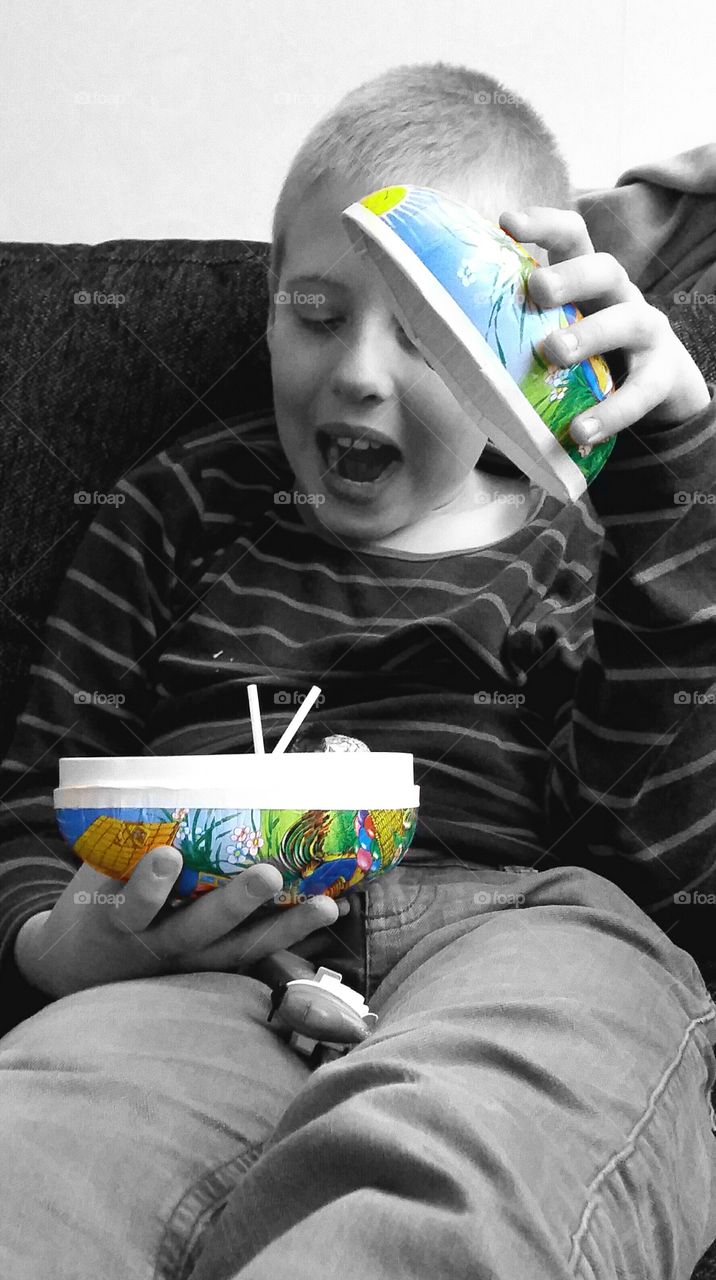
point(534, 1101)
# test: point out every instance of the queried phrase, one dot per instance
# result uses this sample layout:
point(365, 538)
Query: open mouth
point(361, 462)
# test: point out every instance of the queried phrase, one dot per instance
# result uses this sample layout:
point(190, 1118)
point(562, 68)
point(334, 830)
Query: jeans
point(533, 1104)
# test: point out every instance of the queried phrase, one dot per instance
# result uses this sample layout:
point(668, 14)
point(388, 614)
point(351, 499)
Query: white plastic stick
point(256, 720)
point(297, 721)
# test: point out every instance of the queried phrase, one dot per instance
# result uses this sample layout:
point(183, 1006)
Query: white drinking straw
point(297, 721)
point(256, 720)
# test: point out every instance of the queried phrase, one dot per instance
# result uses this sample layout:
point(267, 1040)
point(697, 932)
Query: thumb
point(149, 886)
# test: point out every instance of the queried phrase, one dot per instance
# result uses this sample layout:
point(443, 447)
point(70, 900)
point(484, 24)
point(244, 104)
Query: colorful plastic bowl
point(460, 287)
point(328, 822)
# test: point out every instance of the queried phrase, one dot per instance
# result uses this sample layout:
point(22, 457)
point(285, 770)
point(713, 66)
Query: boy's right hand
point(102, 930)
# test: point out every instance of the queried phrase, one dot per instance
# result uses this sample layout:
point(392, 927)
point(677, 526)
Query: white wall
point(156, 118)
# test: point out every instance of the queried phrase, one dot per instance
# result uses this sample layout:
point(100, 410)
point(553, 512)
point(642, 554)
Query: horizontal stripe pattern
point(553, 689)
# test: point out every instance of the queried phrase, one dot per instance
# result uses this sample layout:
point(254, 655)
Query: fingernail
point(163, 864)
point(585, 431)
point(569, 341)
point(344, 908)
point(322, 907)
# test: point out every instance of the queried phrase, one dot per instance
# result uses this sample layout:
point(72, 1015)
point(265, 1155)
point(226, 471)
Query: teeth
point(347, 442)
point(338, 449)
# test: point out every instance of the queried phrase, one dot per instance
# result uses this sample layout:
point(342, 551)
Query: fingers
point(655, 383)
point(563, 232)
point(597, 276)
point(148, 888)
point(634, 399)
point(621, 326)
point(90, 888)
point(87, 880)
point(643, 335)
point(216, 931)
point(216, 913)
point(252, 942)
point(581, 274)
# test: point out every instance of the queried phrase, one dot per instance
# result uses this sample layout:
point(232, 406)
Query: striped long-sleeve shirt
point(556, 689)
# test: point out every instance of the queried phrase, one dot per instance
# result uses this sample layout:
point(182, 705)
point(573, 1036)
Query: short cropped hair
point(429, 124)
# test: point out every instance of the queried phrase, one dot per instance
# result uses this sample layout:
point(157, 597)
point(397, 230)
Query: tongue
point(366, 465)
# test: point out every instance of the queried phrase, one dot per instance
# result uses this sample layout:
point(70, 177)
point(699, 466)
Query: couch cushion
point(173, 336)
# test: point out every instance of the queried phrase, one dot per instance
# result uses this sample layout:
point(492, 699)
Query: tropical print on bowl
point(318, 851)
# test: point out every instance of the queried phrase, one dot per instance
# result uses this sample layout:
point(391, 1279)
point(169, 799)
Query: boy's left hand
point(663, 385)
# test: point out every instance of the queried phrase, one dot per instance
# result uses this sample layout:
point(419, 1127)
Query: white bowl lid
point(357, 771)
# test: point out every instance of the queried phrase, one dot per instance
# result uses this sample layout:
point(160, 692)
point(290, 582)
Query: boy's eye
point(328, 324)
point(316, 324)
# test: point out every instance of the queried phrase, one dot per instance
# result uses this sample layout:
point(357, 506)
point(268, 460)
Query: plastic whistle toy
point(323, 1017)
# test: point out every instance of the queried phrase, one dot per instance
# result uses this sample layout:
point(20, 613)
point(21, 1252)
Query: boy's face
point(359, 368)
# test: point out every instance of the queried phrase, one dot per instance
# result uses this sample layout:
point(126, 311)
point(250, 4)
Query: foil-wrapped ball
point(313, 740)
point(340, 742)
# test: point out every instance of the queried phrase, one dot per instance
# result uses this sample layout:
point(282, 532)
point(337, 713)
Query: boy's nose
point(365, 365)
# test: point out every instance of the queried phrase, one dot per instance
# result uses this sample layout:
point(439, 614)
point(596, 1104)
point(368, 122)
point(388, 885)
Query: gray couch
point(110, 352)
